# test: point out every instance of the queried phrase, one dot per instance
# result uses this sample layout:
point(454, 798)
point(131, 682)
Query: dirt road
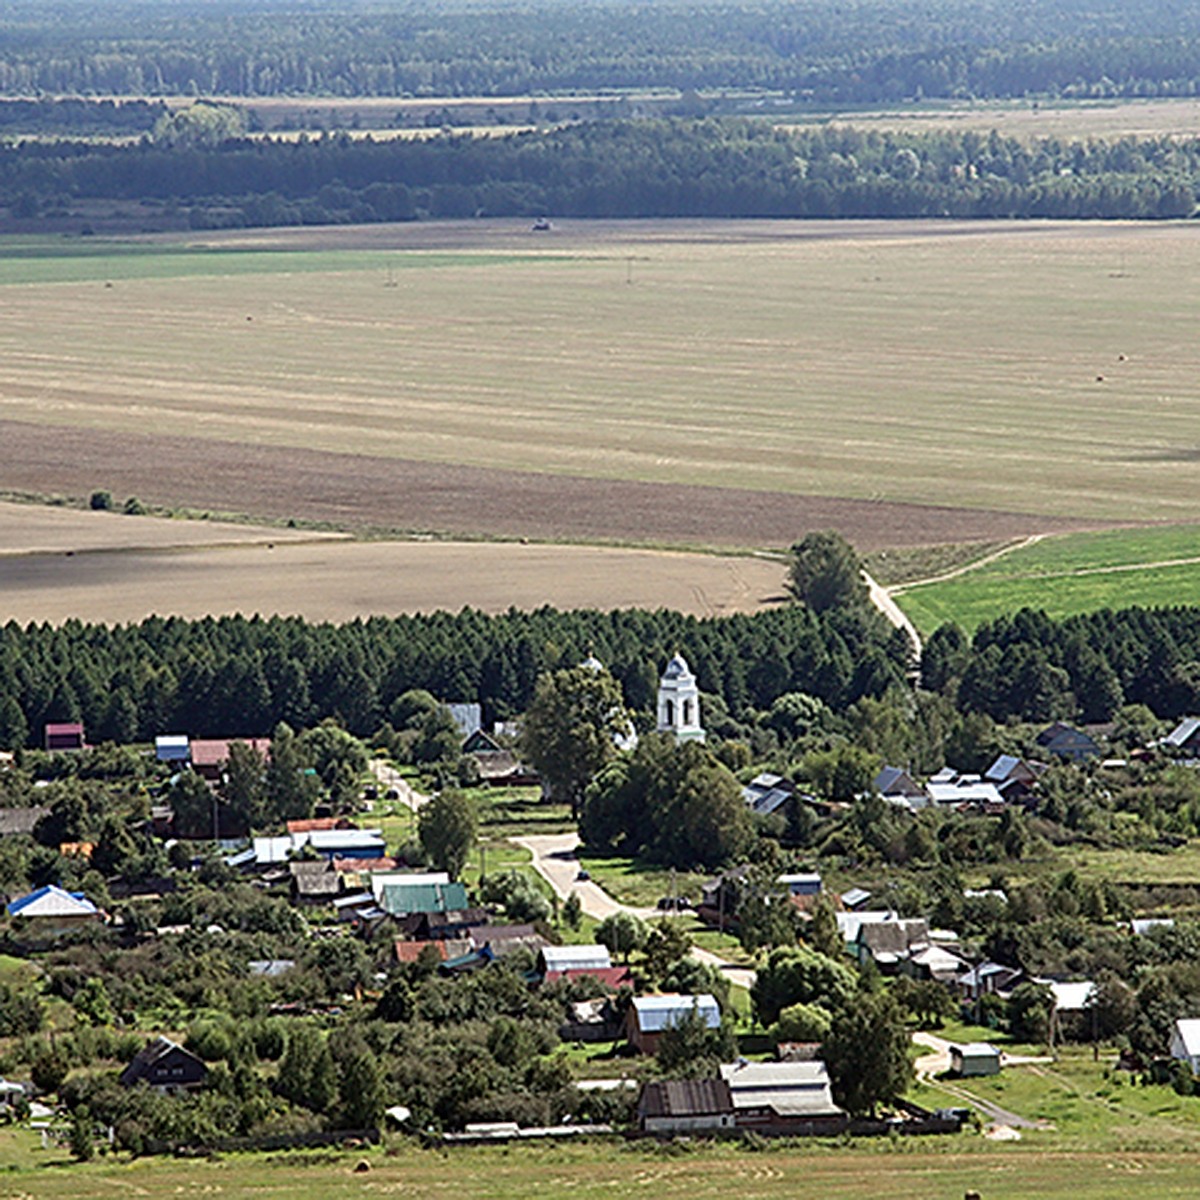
point(390, 778)
point(554, 860)
point(938, 1061)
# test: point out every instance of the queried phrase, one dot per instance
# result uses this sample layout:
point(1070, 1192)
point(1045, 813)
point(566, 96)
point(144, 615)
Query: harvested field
point(356, 491)
point(338, 581)
point(564, 384)
point(40, 529)
point(1171, 117)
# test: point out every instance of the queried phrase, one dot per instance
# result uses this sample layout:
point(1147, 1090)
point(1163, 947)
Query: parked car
point(582, 875)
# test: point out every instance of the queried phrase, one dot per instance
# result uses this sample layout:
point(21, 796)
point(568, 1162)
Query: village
point(204, 943)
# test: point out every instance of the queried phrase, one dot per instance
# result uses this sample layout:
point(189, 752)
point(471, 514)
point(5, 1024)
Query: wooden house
point(166, 1067)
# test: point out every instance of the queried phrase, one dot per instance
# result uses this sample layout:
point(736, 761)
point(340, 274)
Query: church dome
point(678, 668)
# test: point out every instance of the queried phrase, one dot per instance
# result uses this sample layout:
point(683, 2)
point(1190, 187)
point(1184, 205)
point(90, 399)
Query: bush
point(518, 895)
point(101, 501)
point(134, 507)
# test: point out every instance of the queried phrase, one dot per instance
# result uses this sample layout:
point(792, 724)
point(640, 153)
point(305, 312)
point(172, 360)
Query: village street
point(390, 778)
point(554, 860)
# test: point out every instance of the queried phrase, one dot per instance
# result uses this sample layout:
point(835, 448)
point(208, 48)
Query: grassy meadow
point(1064, 575)
point(1031, 1170)
point(940, 364)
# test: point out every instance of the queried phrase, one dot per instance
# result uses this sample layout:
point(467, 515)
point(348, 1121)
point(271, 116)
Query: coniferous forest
point(236, 675)
point(857, 53)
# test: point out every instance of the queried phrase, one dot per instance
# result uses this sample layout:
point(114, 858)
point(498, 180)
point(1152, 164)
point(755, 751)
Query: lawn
point(640, 884)
point(1064, 575)
point(884, 361)
point(1088, 1102)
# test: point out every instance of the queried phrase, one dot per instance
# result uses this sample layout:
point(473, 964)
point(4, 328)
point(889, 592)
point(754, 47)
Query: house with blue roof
point(51, 910)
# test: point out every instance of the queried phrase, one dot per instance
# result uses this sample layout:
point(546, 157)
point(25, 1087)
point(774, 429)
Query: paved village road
point(554, 860)
point(389, 777)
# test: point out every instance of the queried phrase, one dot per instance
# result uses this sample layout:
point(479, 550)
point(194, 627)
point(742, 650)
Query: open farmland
point(1026, 1172)
point(342, 580)
point(1064, 575)
point(896, 364)
point(1081, 119)
point(59, 563)
point(28, 529)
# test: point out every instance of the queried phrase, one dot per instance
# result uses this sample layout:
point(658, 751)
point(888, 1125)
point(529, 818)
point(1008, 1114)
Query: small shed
point(64, 735)
point(975, 1058)
point(574, 958)
point(803, 883)
point(172, 748)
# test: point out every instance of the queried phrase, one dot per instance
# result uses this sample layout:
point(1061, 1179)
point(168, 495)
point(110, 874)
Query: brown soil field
point(43, 529)
point(354, 491)
point(338, 581)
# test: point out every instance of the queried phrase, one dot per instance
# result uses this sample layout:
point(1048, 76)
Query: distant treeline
point(713, 168)
point(78, 116)
point(861, 51)
point(239, 676)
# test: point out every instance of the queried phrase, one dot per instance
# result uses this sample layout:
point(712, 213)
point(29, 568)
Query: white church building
point(679, 702)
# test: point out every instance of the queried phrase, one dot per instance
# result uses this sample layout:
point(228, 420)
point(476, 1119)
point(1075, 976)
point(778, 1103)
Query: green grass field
point(884, 361)
point(879, 1171)
point(1072, 573)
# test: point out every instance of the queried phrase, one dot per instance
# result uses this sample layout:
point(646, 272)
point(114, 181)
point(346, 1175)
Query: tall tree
point(243, 787)
point(447, 826)
point(571, 729)
point(290, 789)
point(826, 572)
point(866, 1053)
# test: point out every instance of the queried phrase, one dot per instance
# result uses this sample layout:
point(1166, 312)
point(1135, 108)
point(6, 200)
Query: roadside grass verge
point(637, 883)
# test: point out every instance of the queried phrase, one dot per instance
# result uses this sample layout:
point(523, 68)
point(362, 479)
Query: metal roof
point(1188, 1030)
point(382, 879)
point(401, 899)
point(788, 1088)
point(1070, 997)
point(576, 958)
point(678, 668)
point(52, 901)
point(685, 1098)
point(656, 1013)
point(963, 793)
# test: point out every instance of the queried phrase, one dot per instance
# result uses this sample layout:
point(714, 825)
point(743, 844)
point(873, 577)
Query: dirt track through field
point(357, 491)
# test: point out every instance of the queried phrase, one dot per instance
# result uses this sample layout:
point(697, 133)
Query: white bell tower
point(679, 702)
